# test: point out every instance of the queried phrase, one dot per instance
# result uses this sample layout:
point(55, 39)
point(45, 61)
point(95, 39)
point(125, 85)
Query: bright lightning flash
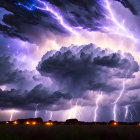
point(116, 101)
point(73, 111)
point(12, 112)
point(119, 28)
point(97, 106)
point(36, 112)
point(126, 111)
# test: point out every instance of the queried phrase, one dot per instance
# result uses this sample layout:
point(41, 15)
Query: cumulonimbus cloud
point(74, 71)
point(87, 67)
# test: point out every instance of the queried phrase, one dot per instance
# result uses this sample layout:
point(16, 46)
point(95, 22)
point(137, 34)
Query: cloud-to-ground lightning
point(97, 106)
point(46, 6)
point(119, 28)
point(50, 114)
point(116, 101)
point(12, 112)
point(73, 111)
point(36, 111)
point(126, 112)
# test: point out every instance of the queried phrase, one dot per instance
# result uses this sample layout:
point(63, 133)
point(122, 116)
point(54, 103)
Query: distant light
point(15, 122)
point(7, 122)
point(138, 124)
point(49, 123)
point(115, 123)
point(27, 123)
point(34, 123)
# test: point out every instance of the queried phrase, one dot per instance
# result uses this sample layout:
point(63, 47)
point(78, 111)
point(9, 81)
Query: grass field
point(69, 132)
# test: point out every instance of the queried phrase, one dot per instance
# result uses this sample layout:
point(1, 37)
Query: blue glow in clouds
point(45, 6)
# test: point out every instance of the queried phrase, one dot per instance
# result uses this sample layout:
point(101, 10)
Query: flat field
point(69, 132)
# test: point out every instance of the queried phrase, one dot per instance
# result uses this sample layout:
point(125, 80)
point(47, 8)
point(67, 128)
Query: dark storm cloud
point(28, 99)
point(87, 67)
point(31, 25)
point(8, 71)
point(81, 13)
point(27, 25)
point(13, 76)
point(131, 4)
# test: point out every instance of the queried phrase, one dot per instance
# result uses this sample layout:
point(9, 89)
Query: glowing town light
point(116, 101)
point(45, 6)
point(115, 123)
point(27, 123)
point(15, 122)
point(49, 123)
point(12, 112)
point(119, 28)
point(97, 106)
point(36, 112)
point(34, 123)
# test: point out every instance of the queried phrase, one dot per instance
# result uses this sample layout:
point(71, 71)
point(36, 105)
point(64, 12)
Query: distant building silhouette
point(71, 121)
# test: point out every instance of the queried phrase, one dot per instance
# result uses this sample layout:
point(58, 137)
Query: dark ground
point(69, 132)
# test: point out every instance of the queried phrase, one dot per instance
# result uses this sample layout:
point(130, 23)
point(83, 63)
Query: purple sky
point(70, 59)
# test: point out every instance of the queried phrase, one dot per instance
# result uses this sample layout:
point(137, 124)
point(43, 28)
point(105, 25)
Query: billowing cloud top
point(76, 73)
point(87, 67)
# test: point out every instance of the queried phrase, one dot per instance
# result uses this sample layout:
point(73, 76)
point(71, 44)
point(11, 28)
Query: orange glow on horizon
point(49, 123)
point(115, 123)
point(27, 122)
point(7, 122)
point(15, 122)
point(34, 123)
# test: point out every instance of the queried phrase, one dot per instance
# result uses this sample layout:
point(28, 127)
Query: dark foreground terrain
point(69, 132)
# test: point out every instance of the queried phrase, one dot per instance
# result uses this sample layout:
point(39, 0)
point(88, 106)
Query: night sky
point(62, 59)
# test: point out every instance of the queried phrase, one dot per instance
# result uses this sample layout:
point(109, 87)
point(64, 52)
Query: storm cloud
point(32, 25)
point(87, 67)
point(8, 71)
point(27, 100)
point(76, 72)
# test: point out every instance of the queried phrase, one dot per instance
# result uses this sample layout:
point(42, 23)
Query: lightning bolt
point(11, 116)
point(116, 101)
point(51, 114)
point(73, 111)
point(97, 106)
point(119, 28)
point(126, 112)
point(47, 7)
point(36, 111)
point(12, 112)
